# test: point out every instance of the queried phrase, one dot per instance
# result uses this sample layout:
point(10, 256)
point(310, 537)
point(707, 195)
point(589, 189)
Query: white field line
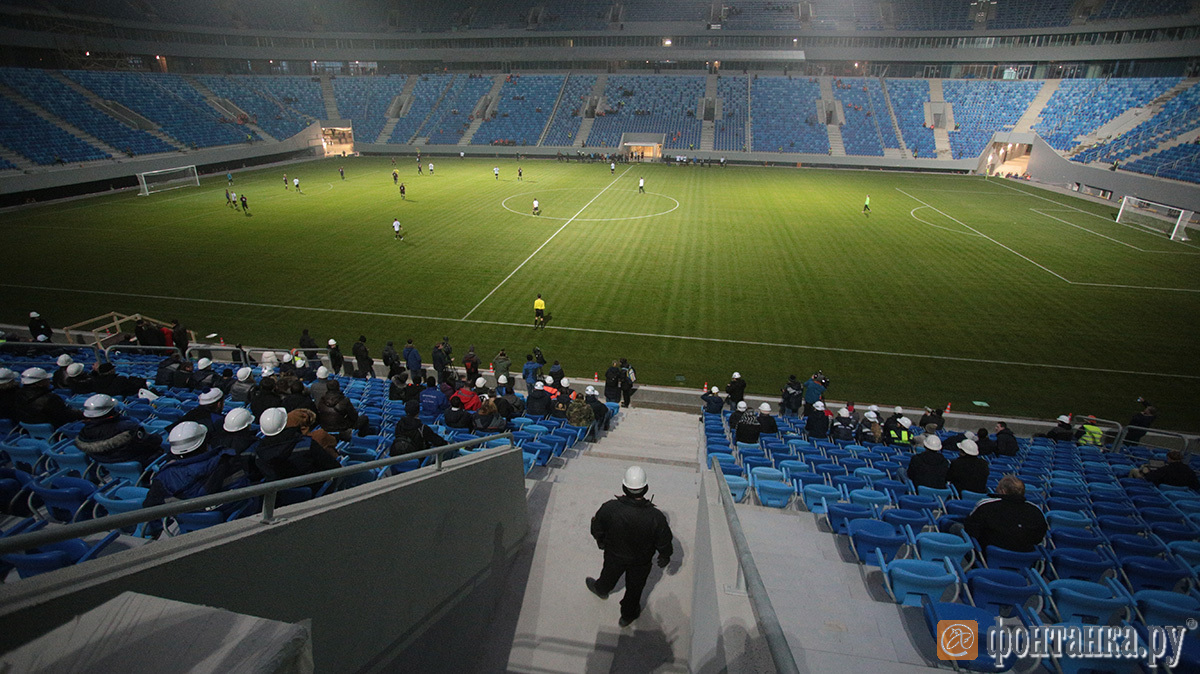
point(626, 333)
point(913, 213)
point(539, 248)
point(1046, 269)
point(1105, 236)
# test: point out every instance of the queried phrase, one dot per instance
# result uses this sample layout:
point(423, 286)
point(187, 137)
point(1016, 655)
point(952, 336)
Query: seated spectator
point(265, 396)
point(987, 446)
point(167, 370)
point(739, 410)
point(279, 454)
point(843, 427)
point(748, 428)
point(396, 385)
point(951, 443)
point(869, 430)
point(600, 411)
point(510, 405)
point(411, 434)
point(935, 417)
point(60, 375)
point(433, 401)
point(488, 419)
point(287, 364)
point(75, 380)
point(109, 437)
point(929, 468)
point(8, 394)
point(295, 396)
point(210, 412)
point(713, 404)
point(304, 372)
point(481, 388)
point(236, 432)
point(899, 435)
point(816, 423)
point(766, 422)
point(1006, 520)
point(318, 388)
point(550, 387)
point(538, 402)
point(106, 380)
point(1174, 473)
point(456, 416)
point(1062, 431)
point(969, 472)
point(38, 404)
point(1006, 442)
point(503, 388)
point(242, 385)
point(337, 415)
point(203, 377)
point(196, 469)
point(580, 413)
point(469, 400)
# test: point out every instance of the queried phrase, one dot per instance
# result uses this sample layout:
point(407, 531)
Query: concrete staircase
point(416, 138)
point(554, 110)
point(749, 115)
point(38, 110)
point(118, 112)
point(585, 128)
point(902, 152)
point(397, 109)
point(484, 109)
point(1129, 119)
point(15, 159)
point(1186, 137)
point(596, 96)
point(708, 127)
point(836, 147)
point(227, 108)
point(1034, 111)
point(941, 137)
point(331, 111)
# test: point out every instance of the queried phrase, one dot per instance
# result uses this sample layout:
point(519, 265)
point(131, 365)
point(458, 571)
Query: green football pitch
point(954, 289)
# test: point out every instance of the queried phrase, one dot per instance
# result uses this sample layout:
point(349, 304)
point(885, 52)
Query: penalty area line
point(623, 333)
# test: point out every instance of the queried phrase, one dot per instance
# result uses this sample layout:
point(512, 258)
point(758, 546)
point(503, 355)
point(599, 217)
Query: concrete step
point(485, 108)
point(554, 110)
point(837, 148)
point(585, 128)
point(904, 154)
point(386, 132)
point(1034, 111)
point(941, 141)
point(331, 111)
point(708, 135)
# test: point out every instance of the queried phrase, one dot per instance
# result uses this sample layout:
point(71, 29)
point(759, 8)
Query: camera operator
point(1145, 419)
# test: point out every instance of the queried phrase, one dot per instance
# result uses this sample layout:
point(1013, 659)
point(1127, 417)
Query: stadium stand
point(6, 165)
point(1181, 162)
point(666, 10)
point(364, 100)
point(731, 130)
point(932, 15)
point(71, 106)
point(1179, 115)
point(526, 102)
point(167, 100)
point(908, 100)
point(982, 108)
point(244, 91)
point(1036, 14)
point(762, 15)
point(39, 140)
point(452, 117)
point(426, 94)
point(580, 15)
point(566, 122)
point(1136, 9)
point(1079, 107)
point(790, 121)
point(648, 104)
point(868, 128)
point(301, 94)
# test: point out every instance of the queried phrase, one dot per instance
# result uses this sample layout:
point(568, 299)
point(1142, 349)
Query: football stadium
point(629, 336)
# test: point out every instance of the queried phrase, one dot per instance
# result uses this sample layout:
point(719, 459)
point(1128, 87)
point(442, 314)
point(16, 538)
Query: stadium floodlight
point(1157, 217)
point(168, 179)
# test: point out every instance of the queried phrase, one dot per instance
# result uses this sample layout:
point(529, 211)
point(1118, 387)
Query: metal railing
point(267, 490)
point(1185, 440)
point(768, 621)
point(135, 348)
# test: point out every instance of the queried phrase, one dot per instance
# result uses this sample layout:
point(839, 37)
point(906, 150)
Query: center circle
point(505, 206)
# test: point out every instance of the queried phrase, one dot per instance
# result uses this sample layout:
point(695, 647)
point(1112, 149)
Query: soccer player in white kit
point(641, 185)
point(430, 168)
point(496, 170)
point(296, 184)
point(398, 229)
point(612, 168)
point(536, 210)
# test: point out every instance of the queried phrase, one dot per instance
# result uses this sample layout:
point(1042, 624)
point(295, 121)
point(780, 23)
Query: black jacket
point(310, 346)
point(1174, 474)
point(736, 390)
point(261, 401)
point(969, 473)
point(336, 360)
point(1008, 522)
point(768, 424)
point(336, 413)
point(843, 429)
point(416, 437)
point(113, 439)
point(8, 400)
point(712, 403)
point(612, 382)
point(748, 429)
point(816, 424)
point(457, 419)
point(631, 529)
point(537, 403)
point(40, 405)
point(928, 469)
point(1006, 443)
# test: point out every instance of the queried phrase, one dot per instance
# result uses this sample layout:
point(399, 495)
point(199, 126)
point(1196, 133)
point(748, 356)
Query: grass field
point(955, 289)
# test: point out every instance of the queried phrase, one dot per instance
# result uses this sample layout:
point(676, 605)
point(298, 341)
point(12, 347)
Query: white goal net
point(1169, 220)
point(168, 179)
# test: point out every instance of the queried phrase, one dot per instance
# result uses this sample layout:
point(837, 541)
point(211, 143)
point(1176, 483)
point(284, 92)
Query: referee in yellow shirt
point(539, 313)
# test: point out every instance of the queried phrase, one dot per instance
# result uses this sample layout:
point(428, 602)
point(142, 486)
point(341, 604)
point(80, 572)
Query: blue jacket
point(209, 472)
point(813, 391)
point(433, 401)
point(530, 372)
point(412, 358)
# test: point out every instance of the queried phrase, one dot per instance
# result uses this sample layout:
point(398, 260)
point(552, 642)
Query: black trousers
point(635, 574)
point(627, 393)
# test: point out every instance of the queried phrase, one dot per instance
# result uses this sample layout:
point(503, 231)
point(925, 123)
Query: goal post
point(1168, 220)
point(168, 179)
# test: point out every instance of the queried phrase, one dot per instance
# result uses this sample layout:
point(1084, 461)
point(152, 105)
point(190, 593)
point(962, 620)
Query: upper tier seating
point(1181, 162)
point(933, 15)
point(453, 115)
point(501, 14)
point(576, 15)
point(74, 108)
point(364, 100)
point(1079, 107)
point(981, 108)
point(666, 10)
point(790, 121)
point(566, 122)
point(39, 140)
point(762, 15)
point(1136, 9)
point(908, 100)
point(526, 102)
point(1031, 14)
point(649, 104)
point(731, 130)
point(868, 128)
point(300, 93)
point(245, 92)
point(425, 96)
point(168, 100)
point(1179, 115)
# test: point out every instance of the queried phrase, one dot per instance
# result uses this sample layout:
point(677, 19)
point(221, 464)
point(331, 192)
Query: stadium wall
point(1046, 165)
point(397, 575)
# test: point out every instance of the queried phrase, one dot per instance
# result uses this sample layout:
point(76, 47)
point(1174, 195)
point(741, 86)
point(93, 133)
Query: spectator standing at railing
point(1143, 419)
point(179, 336)
point(38, 327)
point(309, 345)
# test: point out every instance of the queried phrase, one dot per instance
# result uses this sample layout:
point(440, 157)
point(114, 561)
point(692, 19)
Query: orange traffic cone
point(596, 376)
point(948, 407)
point(222, 341)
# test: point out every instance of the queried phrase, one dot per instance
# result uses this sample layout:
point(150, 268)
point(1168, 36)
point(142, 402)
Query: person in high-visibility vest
point(1092, 434)
point(899, 434)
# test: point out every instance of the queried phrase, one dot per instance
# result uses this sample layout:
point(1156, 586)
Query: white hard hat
point(64, 360)
point(968, 447)
point(34, 314)
point(548, 379)
point(211, 396)
point(333, 342)
point(33, 375)
point(844, 413)
point(538, 385)
point(741, 406)
point(7, 375)
point(480, 383)
point(286, 357)
point(906, 422)
point(98, 405)
point(243, 374)
point(635, 478)
point(737, 375)
point(898, 410)
point(1064, 419)
point(765, 407)
point(74, 369)
point(237, 419)
point(970, 435)
point(502, 379)
point(819, 406)
point(272, 421)
point(43, 338)
point(267, 371)
point(322, 372)
point(933, 442)
point(871, 415)
point(300, 362)
point(874, 408)
point(203, 363)
point(591, 390)
point(715, 390)
point(187, 436)
point(565, 382)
